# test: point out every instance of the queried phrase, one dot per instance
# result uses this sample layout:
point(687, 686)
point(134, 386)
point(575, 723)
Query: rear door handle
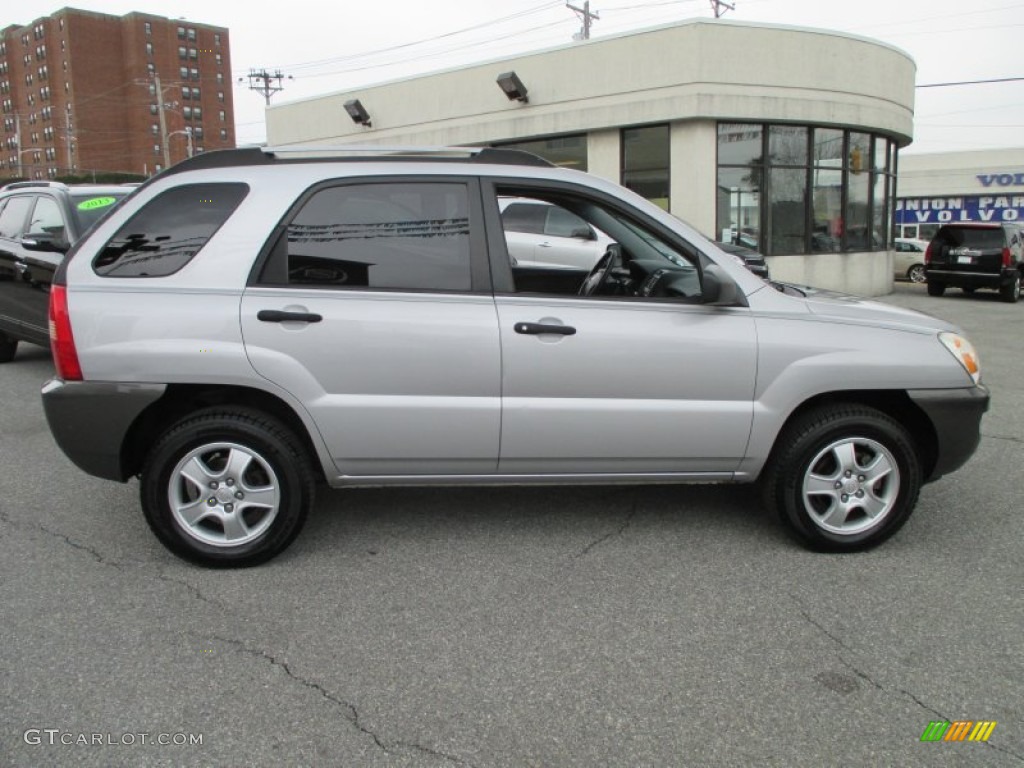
point(535, 329)
point(280, 316)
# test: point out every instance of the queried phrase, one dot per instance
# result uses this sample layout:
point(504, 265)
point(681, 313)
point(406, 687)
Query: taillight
point(62, 342)
point(928, 254)
point(1007, 259)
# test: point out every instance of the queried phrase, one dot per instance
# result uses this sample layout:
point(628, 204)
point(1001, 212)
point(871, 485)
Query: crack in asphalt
point(96, 555)
point(864, 676)
point(352, 712)
point(1009, 438)
point(610, 535)
point(192, 589)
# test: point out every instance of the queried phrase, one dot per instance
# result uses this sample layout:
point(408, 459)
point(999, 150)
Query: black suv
point(39, 222)
point(971, 256)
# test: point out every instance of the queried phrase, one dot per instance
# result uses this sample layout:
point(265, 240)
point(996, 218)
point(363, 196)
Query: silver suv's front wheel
point(226, 487)
point(844, 477)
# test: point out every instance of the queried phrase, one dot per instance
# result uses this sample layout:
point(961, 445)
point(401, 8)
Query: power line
point(972, 82)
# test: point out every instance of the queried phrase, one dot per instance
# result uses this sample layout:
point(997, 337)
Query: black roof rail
point(227, 158)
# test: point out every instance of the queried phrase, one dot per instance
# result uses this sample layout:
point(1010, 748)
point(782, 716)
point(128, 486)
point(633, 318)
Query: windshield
point(91, 207)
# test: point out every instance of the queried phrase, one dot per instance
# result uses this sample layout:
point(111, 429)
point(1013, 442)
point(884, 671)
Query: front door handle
point(535, 329)
point(280, 316)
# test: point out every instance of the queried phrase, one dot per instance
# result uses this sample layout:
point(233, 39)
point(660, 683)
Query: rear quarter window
point(169, 230)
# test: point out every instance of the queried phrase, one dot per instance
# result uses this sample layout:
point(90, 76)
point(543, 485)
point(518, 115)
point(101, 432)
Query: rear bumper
point(90, 420)
point(966, 279)
point(956, 416)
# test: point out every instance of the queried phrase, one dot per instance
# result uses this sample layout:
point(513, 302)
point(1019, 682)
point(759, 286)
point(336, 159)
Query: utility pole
point(718, 5)
point(263, 82)
point(585, 14)
point(163, 121)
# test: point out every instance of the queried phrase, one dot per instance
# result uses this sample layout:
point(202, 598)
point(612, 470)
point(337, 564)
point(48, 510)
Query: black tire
point(1010, 292)
point(936, 289)
point(270, 466)
point(916, 274)
point(8, 347)
point(807, 458)
point(968, 289)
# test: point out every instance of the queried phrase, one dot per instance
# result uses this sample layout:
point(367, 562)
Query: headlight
point(963, 351)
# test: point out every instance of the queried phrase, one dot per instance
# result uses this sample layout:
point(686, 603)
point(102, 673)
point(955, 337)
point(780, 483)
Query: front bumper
point(956, 416)
point(91, 420)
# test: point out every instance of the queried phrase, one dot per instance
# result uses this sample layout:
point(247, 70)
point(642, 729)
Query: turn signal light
point(62, 342)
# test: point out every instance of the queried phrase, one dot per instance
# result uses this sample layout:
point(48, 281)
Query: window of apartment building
point(789, 189)
point(35, 137)
point(5, 86)
point(220, 96)
point(44, 72)
point(153, 109)
point(223, 115)
point(181, 33)
point(31, 100)
point(152, 89)
point(645, 162)
point(29, 79)
point(183, 73)
point(197, 113)
point(47, 113)
point(191, 35)
point(186, 112)
point(60, 22)
point(148, 28)
point(194, 73)
point(44, 93)
point(6, 105)
point(48, 133)
point(149, 49)
point(182, 52)
point(3, 48)
point(195, 92)
point(63, 45)
point(24, 40)
point(193, 53)
point(151, 68)
point(219, 59)
point(220, 78)
point(156, 149)
point(186, 92)
point(40, 52)
point(198, 131)
point(27, 60)
point(223, 134)
point(51, 154)
point(67, 87)
point(3, 67)
point(216, 38)
point(154, 129)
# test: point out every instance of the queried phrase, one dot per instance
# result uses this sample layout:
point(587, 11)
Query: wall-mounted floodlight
point(513, 87)
point(358, 112)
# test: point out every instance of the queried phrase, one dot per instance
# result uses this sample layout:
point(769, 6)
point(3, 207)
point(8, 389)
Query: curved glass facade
point(796, 189)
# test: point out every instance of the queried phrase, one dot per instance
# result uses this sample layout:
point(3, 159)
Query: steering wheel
point(598, 277)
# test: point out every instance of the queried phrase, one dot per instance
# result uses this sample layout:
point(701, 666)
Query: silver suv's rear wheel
point(226, 488)
point(844, 477)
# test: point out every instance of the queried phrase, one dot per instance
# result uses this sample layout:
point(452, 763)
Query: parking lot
point(656, 626)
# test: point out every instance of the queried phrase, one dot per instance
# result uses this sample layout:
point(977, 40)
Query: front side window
point(400, 236)
point(589, 249)
point(172, 228)
point(12, 218)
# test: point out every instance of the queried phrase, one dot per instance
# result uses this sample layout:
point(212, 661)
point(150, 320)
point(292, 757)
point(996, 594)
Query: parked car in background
point(751, 259)
point(249, 325)
point(39, 222)
point(908, 259)
point(972, 256)
point(537, 231)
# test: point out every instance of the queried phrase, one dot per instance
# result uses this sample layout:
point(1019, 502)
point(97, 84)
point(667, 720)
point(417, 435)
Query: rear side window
point(404, 236)
point(171, 229)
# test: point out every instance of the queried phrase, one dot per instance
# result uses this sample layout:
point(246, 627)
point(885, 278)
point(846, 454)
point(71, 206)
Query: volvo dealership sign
point(941, 210)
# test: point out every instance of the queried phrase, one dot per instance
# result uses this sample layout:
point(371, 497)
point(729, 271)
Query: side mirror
point(45, 242)
point(717, 288)
point(583, 233)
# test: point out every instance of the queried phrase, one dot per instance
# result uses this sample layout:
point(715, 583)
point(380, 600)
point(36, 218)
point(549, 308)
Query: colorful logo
point(958, 730)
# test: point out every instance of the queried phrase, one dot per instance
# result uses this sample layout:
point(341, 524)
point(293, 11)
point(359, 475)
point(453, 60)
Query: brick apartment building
point(80, 90)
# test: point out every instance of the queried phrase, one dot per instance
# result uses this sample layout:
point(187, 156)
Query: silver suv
point(251, 323)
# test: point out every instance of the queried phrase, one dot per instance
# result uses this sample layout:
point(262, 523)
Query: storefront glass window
point(645, 162)
point(816, 190)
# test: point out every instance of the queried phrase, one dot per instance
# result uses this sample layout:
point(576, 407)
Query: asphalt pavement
point(662, 626)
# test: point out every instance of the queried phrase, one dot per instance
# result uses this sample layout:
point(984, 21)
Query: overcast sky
point(337, 45)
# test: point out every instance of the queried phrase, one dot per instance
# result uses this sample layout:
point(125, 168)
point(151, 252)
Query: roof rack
point(24, 184)
point(226, 158)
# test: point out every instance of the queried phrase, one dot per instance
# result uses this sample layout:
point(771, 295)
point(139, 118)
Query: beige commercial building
point(780, 138)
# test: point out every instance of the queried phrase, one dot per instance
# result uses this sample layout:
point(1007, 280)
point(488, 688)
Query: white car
point(908, 258)
point(538, 232)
